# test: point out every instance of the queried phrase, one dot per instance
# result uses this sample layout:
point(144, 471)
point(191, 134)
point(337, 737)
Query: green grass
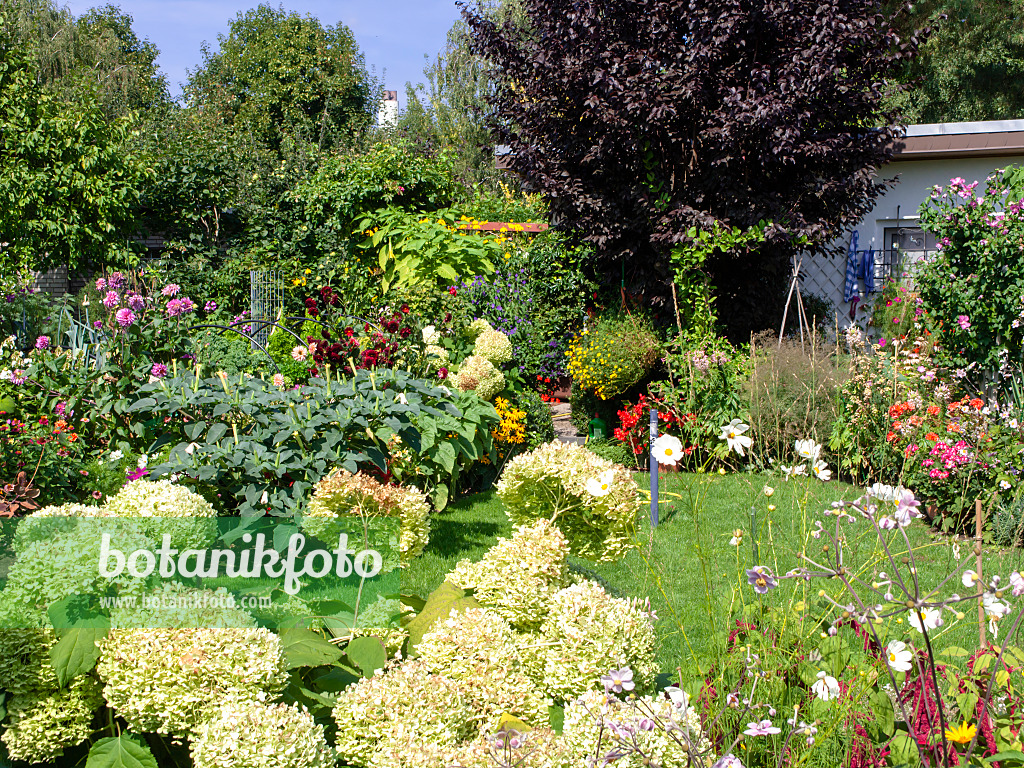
point(694, 577)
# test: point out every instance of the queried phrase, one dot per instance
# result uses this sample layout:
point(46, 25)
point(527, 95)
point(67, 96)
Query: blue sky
point(392, 34)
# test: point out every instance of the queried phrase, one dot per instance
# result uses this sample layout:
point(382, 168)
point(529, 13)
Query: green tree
point(971, 67)
point(69, 186)
point(277, 74)
point(99, 48)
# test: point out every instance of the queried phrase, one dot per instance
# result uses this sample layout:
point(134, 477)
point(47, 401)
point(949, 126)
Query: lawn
point(694, 576)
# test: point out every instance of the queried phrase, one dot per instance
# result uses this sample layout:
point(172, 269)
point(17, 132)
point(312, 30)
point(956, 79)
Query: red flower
point(452, 291)
point(442, 373)
point(405, 309)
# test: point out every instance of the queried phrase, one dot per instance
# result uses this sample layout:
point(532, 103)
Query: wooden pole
point(979, 519)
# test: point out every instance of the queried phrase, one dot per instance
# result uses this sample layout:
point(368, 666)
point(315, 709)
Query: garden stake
point(654, 469)
point(978, 521)
point(753, 535)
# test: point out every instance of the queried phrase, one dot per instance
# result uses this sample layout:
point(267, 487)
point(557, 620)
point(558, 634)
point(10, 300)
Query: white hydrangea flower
point(259, 735)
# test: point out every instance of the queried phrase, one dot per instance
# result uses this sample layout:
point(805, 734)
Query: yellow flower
point(962, 734)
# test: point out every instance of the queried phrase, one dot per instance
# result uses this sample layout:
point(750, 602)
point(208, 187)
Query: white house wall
point(898, 207)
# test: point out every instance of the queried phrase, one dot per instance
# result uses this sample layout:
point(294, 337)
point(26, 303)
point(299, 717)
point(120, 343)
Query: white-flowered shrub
point(477, 327)
point(478, 649)
point(258, 735)
point(49, 521)
point(167, 680)
point(399, 710)
point(541, 748)
point(597, 713)
point(517, 577)
point(24, 650)
point(177, 606)
point(586, 633)
point(343, 497)
point(167, 508)
point(478, 374)
point(495, 346)
point(42, 724)
point(64, 564)
point(437, 356)
point(593, 501)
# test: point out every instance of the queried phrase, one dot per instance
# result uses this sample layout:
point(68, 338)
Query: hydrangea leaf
point(440, 603)
point(303, 648)
point(120, 752)
point(76, 652)
point(368, 654)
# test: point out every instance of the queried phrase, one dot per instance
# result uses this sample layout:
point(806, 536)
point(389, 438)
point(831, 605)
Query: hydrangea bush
point(358, 496)
point(591, 500)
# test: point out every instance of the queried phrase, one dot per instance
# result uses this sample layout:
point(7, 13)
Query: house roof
point(991, 138)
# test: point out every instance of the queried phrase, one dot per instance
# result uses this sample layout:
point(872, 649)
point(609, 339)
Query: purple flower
point(136, 301)
point(101, 284)
point(111, 300)
point(187, 305)
point(125, 317)
point(763, 728)
point(116, 281)
point(180, 306)
point(43, 342)
point(211, 306)
point(61, 408)
point(170, 290)
point(761, 579)
point(97, 324)
point(136, 474)
point(963, 321)
point(618, 680)
point(159, 370)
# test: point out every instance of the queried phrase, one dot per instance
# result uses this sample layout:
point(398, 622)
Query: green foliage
point(410, 248)
point(972, 65)
point(265, 448)
point(387, 175)
point(280, 345)
point(226, 351)
point(277, 74)
point(68, 183)
point(974, 288)
point(613, 356)
point(540, 428)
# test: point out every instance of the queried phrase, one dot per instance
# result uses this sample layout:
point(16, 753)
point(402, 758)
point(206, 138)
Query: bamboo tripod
point(794, 288)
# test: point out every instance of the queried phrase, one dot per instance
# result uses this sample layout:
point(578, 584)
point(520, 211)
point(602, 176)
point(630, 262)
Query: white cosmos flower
point(679, 698)
point(826, 688)
point(667, 450)
point(808, 449)
point(733, 435)
point(929, 618)
point(602, 484)
point(795, 471)
point(898, 657)
point(821, 471)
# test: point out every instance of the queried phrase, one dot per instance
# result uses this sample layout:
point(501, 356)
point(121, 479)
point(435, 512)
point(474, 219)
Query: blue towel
point(853, 264)
point(869, 271)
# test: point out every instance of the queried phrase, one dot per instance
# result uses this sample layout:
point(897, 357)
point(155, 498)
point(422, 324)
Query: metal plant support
point(266, 303)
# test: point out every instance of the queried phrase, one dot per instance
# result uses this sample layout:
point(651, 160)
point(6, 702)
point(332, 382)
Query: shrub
point(540, 427)
point(407, 706)
point(166, 680)
point(495, 346)
point(345, 495)
point(163, 507)
point(259, 735)
point(478, 374)
point(517, 577)
point(478, 649)
point(603, 633)
point(562, 482)
point(613, 356)
point(224, 351)
point(43, 723)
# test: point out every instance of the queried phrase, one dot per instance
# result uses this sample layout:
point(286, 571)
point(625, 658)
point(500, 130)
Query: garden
point(343, 531)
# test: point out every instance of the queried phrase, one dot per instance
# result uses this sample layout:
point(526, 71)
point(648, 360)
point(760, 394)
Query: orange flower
point(977, 404)
point(932, 436)
point(933, 410)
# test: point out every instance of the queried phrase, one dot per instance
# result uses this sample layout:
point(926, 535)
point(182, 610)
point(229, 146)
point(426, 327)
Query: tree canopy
point(277, 74)
point(641, 119)
point(971, 67)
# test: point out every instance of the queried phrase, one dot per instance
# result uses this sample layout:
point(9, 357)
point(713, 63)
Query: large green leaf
point(76, 652)
point(122, 751)
point(367, 653)
point(303, 648)
point(440, 603)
